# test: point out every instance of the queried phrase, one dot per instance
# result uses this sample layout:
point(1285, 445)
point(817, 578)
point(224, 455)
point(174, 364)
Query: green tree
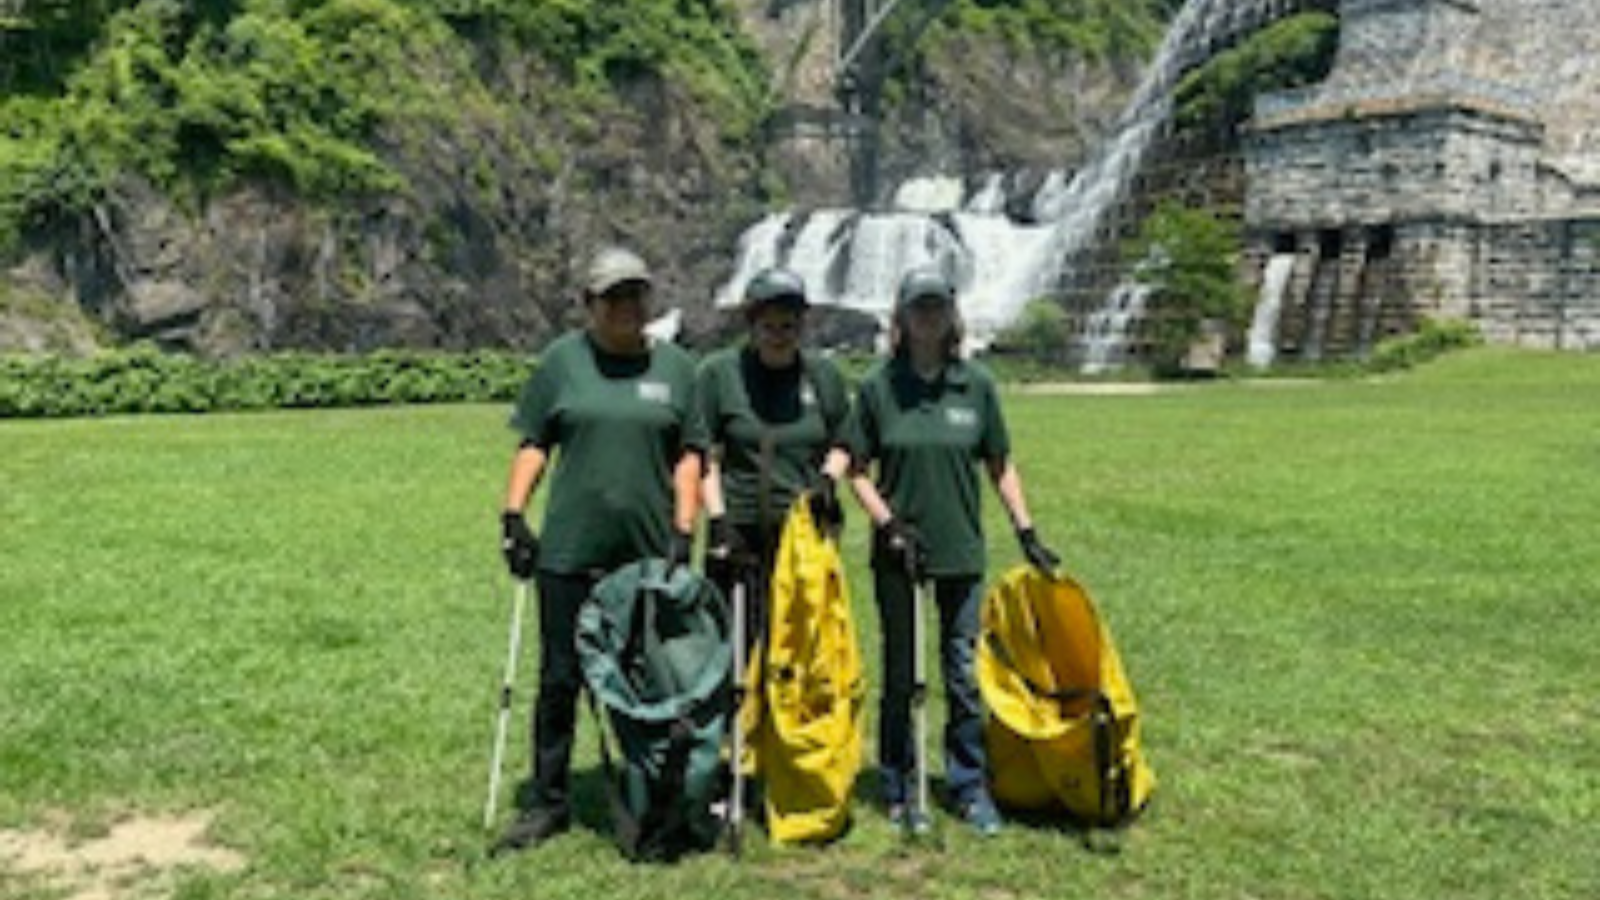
point(1188, 259)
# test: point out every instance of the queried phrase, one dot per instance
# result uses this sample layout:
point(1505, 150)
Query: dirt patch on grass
point(134, 860)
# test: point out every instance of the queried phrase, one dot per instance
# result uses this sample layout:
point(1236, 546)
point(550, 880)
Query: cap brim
point(611, 284)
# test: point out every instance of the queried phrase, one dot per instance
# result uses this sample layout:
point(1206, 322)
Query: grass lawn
point(1362, 617)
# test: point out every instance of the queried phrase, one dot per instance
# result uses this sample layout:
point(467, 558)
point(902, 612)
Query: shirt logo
point(808, 397)
point(959, 417)
point(655, 392)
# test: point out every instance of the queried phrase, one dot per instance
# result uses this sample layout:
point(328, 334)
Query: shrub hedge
point(143, 379)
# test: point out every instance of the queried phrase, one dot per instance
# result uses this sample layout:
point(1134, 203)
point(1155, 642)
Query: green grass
point(1361, 616)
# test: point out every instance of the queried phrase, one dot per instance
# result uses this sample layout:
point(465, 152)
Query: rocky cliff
point(480, 246)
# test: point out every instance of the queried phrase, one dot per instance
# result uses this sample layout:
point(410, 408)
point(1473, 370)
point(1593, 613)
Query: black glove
point(680, 548)
point(1039, 556)
point(726, 551)
point(900, 543)
point(518, 545)
point(825, 508)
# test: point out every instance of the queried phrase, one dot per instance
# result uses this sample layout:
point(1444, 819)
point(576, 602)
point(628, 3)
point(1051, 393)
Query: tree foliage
point(1188, 259)
point(194, 96)
point(1291, 53)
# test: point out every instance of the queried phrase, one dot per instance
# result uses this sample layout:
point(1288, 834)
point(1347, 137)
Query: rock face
point(1444, 168)
point(481, 249)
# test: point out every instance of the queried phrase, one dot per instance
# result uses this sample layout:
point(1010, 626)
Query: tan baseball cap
point(612, 266)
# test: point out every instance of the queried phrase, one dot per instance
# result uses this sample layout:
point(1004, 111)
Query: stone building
point(1449, 166)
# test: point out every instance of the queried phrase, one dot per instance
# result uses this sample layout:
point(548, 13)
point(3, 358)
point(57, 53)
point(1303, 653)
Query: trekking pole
point(919, 697)
point(518, 605)
point(740, 686)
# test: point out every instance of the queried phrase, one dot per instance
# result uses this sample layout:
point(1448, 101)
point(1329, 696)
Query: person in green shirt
point(925, 419)
point(614, 421)
point(776, 416)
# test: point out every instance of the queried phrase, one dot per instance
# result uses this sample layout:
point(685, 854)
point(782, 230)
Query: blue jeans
point(958, 599)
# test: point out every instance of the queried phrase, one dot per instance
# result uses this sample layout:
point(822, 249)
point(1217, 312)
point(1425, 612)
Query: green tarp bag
point(654, 644)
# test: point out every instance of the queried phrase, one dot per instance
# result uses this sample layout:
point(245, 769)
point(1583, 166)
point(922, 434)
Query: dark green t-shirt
point(618, 427)
point(928, 438)
point(803, 407)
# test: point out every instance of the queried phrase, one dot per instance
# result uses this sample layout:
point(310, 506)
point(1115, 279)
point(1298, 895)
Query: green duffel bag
point(654, 643)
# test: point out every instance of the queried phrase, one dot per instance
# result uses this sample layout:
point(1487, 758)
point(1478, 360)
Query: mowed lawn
point(1363, 618)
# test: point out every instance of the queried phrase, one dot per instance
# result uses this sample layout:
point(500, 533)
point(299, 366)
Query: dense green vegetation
point(1187, 258)
point(194, 97)
point(143, 379)
point(1359, 616)
point(1291, 53)
point(1104, 30)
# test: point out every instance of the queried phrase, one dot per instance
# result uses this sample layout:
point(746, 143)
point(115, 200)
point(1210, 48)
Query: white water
point(1263, 344)
point(854, 259)
point(1105, 335)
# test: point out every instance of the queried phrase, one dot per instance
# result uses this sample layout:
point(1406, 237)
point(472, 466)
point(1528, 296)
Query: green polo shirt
point(928, 439)
point(802, 407)
point(617, 427)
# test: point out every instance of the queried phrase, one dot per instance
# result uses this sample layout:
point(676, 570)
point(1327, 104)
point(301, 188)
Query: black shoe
point(533, 828)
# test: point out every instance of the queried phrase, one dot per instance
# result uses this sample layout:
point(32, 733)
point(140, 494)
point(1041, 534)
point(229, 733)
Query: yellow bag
point(803, 709)
point(1063, 729)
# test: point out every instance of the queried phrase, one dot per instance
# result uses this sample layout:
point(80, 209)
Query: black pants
point(756, 575)
point(555, 711)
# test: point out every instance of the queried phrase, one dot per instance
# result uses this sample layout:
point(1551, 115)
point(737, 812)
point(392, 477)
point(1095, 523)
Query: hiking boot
point(981, 814)
point(532, 828)
point(909, 820)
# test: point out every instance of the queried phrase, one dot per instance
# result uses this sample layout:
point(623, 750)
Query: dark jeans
point(958, 600)
point(555, 712)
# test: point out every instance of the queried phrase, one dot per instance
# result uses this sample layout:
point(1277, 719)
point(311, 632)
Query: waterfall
point(1264, 324)
point(854, 259)
point(1105, 334)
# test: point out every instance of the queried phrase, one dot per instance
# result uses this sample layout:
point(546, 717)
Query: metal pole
point(740, 686)
point(519, 604)
point(919, 699)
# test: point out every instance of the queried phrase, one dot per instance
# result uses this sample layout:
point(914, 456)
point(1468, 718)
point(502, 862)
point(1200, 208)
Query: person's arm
point(711, 489)
point(872, 502)
point(836, 464)
point(686, 486)
point(1008, 484)
point(527, 468)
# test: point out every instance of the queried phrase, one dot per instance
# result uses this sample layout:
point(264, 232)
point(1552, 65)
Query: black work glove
point(680, 548)
point(518, 545)
point(825, 508)
point(723, 541)
point(1039, 556)
point(900, 543)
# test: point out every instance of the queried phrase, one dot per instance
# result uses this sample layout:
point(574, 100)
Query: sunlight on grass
point(1360, 617)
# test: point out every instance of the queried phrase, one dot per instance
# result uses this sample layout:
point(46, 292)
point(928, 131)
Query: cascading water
point(854, 259)
point(1264, 324)
point(1105, 335)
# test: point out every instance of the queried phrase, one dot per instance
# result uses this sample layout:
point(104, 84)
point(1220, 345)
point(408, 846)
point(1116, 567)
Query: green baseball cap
point(775, 285)
point(925, 283)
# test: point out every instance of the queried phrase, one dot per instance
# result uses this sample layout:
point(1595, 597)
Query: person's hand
point(726, 551)
point(680, 548)
point(723, 541)
point(518, 545)
point(825, 509)
point(902, 544)
point(1039, 556)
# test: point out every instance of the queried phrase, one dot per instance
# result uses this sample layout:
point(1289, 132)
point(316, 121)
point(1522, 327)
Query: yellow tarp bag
point(806, 694)
point(1063, 729)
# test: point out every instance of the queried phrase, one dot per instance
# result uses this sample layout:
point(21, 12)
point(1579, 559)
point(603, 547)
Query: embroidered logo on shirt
point(655, 392)
point(961, 417)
